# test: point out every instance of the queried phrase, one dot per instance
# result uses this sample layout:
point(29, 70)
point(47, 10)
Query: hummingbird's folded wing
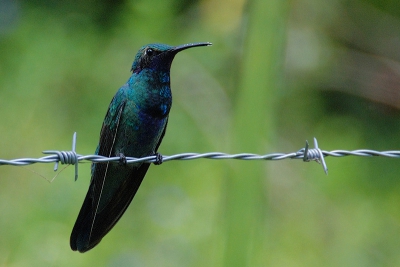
point(99, 213)
point(90, 227)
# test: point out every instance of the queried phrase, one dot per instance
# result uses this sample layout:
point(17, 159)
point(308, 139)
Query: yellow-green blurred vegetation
point(279, 72)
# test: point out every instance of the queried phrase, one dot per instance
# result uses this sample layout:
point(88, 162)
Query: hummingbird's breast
point(147, 105)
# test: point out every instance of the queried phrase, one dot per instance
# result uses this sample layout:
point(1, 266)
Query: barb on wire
point(306, 154)
point(314, 154)
point(66, 157)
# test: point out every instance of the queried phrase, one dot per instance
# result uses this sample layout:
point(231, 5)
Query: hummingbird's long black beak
point(179, 48)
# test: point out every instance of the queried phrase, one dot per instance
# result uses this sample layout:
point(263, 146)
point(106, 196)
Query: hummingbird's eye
point(149, 52)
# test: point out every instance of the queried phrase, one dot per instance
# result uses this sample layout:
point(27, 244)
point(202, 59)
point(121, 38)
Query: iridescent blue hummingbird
point(134, 126)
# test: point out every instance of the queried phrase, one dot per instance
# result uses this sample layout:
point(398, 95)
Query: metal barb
point(65, 157)
point(305, 158)
point(75, 155)
point(321, 156)
point(314, 154)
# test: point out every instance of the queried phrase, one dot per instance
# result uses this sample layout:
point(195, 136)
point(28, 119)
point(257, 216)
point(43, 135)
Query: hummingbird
point(134, 126)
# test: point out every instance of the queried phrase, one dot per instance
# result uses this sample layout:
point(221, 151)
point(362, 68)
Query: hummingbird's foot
point(122, 159)
point(159, 159)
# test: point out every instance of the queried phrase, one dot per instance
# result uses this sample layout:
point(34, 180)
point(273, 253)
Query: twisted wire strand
point(191, 156)
point(306, 154)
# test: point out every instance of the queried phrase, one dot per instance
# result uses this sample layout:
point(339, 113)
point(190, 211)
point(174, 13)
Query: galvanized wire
point(306, 154)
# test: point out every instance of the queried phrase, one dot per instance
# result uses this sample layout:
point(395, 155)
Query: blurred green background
point(278, 73)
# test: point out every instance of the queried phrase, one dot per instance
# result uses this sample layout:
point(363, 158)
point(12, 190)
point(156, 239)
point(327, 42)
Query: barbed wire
point(306, 154)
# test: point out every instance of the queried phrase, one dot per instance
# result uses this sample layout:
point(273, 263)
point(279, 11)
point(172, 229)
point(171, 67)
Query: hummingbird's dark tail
point(90, 227)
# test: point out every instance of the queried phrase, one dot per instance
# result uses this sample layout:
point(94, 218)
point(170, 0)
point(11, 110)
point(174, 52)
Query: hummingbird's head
point(158, 56)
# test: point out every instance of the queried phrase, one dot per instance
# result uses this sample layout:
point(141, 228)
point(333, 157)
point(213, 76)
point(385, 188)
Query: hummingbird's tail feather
point(90, 228)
